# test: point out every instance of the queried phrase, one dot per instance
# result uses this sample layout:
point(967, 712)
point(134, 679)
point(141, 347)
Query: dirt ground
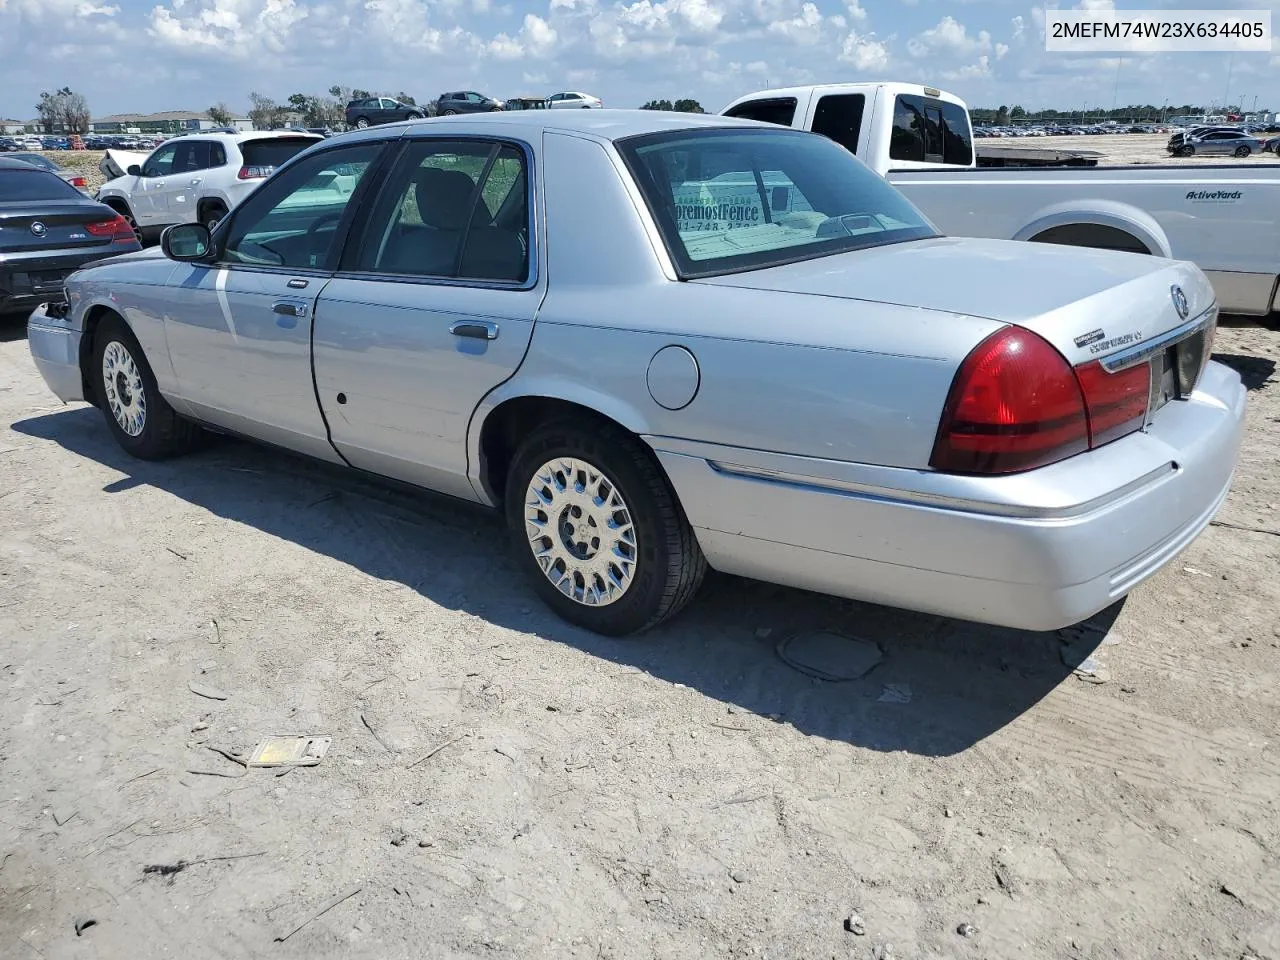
point(501, 785)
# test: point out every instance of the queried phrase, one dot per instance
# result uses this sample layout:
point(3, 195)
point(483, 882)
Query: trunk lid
point(52, 225)
point(1088, 303)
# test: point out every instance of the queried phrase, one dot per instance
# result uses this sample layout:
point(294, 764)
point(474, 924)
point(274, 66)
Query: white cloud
point(1001, 50)
point(864, 52)
point(94, 10)
point(856, 13)
point(535, 39)
point(1019, 27)
point(804, 28)
point(950, 38)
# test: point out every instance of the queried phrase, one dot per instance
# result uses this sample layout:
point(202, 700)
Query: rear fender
point(1103, 213)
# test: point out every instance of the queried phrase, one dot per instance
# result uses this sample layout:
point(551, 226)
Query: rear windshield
point(728, 200)
point(272, 153)
point(34, 184)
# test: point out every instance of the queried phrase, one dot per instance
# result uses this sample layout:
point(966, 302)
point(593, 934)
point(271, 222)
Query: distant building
point(169, 121)
point(10, 127)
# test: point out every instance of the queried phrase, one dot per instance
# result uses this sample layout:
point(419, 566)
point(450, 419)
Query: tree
point(265, 113)
point(220, 114)
point(1002, 115)
point(1017, 113)
point(680, 106)
point(64, 108)
point(405, 98)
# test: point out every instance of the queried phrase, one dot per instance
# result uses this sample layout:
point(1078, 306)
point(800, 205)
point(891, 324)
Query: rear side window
point(930, 130)
point(217, 155)
point(33, 184)
point(779, 110)
point(839, 117)
point(272, 153)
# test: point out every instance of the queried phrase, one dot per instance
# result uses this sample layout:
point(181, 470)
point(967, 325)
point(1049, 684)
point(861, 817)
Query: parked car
point(47, 230)
point(372, 111)
point(466, 101)
point(918, 138)
point(9, 145)
point(574, 101)
point(1270, 144)
point(957, 426)
point(525, 103)
point(1229, 143)
point(44, 163)
point(196, 177)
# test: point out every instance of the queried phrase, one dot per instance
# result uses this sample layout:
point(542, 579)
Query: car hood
point(1068, 295)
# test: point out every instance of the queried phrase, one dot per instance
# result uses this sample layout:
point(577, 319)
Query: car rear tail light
point(254, 172)
point(1116, 402)
point(118, 230)
point(77, 181)
point(1016, 404)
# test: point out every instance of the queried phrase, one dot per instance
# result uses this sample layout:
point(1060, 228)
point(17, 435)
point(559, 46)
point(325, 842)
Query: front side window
point(779, 110)
point(292, 220)
point(388, 104)
point(160, 163)
point(730, 200)
point(451, 210)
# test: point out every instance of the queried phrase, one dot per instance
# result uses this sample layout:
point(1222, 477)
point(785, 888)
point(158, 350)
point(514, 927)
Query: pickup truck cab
point(920, 138)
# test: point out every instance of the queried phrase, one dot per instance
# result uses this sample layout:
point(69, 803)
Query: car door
point(176, 201)
point(146, 199)
point(433, 307)
point(239, 328)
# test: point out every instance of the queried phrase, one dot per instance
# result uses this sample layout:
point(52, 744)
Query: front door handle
point(475, 329)
point(290, 308)
point(197, 181)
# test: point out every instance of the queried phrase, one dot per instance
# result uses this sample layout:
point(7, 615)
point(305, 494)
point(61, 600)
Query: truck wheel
point(140, 420)
point(598, 530)
point(1243, 151)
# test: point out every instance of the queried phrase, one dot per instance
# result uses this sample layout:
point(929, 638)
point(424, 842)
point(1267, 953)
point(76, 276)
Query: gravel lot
point(501, 785)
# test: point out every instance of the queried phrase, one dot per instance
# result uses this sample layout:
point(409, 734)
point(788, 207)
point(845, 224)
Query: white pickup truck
point(1221, 217)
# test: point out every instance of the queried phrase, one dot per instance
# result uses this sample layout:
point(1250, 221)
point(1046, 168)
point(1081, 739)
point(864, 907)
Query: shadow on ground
point(964, 681)
point(13, 326)
point(1254, 371)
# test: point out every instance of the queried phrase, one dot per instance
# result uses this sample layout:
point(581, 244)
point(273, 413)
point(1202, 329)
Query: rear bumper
point(1034, 551)
point(30, 279)
point(55, 349)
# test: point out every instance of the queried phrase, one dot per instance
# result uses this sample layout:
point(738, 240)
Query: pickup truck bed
point(1221, 217)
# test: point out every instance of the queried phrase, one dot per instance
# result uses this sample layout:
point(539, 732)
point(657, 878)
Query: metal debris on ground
point(827, 655)
point(895, 693)
point(290, 751)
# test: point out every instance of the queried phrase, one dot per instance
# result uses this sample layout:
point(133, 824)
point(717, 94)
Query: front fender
point(1103, 213)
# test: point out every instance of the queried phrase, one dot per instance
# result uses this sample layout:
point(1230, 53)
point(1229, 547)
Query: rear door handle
point(290, 308)
point(475, 329)
point(197, 181)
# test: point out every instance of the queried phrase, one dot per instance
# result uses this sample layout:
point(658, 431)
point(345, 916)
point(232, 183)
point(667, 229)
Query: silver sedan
point(661, 343)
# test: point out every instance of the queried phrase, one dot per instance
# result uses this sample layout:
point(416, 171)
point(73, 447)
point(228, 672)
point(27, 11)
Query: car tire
point(1243, 151)
point(362, 123)
point(1188, 151)
point(122, 208)
point(667, 564)
point(140, 420)
point(213, 215)
point(451, 113)
point(413, 116)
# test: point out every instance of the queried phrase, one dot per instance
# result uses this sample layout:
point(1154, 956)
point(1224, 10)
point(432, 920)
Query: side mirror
point(134, 170)
point(186, 242)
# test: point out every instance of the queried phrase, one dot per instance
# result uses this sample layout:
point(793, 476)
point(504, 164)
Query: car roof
point(602, 124)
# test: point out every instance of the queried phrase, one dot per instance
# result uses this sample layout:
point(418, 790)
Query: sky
point(145, 56)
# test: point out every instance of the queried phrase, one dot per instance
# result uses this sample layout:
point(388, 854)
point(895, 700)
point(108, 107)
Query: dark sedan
point(372, 111)
point(466, 101)
point(48, 229)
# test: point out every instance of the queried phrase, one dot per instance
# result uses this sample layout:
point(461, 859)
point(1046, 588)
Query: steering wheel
point(321, 221)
